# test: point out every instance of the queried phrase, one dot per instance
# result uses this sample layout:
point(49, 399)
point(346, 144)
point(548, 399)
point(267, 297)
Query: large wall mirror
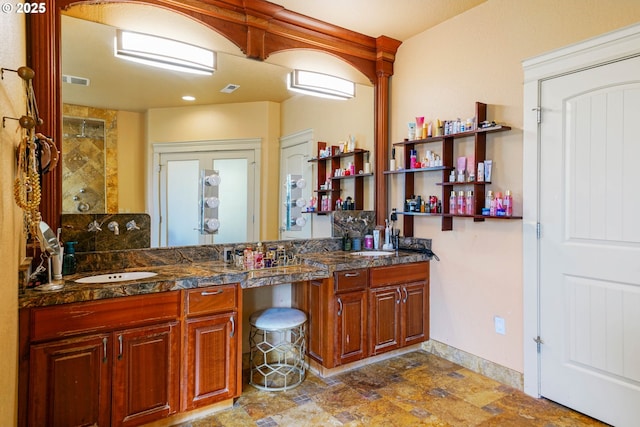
point(127, 109)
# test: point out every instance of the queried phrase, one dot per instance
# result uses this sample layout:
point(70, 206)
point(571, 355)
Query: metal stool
point(277, 348)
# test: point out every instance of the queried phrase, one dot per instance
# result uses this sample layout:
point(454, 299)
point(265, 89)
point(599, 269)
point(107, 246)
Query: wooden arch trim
point(258, 27)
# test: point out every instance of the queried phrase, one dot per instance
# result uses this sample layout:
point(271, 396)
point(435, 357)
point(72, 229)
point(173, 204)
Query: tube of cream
point(487, 170)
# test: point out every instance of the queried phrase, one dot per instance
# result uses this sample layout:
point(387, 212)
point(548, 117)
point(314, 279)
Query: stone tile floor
point(415, 389)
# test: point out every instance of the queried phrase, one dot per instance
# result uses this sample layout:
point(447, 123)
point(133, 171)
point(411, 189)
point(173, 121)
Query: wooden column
point(386, 50)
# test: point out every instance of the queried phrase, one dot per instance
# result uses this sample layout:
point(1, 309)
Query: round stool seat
point(277, 348)
point(276, 318)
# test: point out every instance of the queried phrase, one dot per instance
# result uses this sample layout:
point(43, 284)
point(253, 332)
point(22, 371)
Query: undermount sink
point(116, 277)
point(372, 253)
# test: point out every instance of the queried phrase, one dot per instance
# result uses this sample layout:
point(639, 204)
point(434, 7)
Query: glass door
point(179, 197)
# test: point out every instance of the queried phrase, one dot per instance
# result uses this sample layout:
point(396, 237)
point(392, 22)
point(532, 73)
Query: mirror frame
point(258, 27)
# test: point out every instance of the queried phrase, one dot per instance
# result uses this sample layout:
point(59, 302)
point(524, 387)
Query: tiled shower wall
point(89, 160)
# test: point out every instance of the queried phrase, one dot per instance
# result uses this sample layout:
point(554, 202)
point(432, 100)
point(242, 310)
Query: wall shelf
point(326, 168)
point(447, 143)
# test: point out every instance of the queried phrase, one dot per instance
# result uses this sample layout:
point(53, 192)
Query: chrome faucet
point(94, 227)
point(113, 226)
point(131, 225)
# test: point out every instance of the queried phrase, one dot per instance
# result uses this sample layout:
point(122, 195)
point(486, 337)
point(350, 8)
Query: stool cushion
point(277, 318)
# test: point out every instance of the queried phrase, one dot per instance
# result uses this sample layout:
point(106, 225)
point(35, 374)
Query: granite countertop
point(317, 265)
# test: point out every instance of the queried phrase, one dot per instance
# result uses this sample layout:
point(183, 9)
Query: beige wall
point(131, 153)
point(440, 74)
point(228, 121)
point(12, 52)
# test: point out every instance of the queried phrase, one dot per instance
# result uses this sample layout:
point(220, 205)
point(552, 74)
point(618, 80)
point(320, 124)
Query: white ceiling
point(87, 47)
point(398, 19)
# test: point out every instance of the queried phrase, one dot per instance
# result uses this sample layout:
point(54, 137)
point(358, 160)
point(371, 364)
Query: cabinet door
point(415, 313)
point(70, 383)
point(212, 345)
point(146, 374)
point(351, 327)
point(317, 320)
point(385, 319)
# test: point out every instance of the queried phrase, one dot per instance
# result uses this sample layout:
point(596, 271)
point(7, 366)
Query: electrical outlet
point(500, 325)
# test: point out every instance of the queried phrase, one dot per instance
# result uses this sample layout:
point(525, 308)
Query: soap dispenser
point(69, 263)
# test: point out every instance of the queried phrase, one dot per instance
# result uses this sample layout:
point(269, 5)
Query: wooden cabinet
point(363, 312)
point(398, 306)
point(212, 356)
point(337, 318)
point(146, 363)
point(350, 303)
point(327, 166)
point(112, 362)
point(70, 383)
point(448, 164)
point(319, 329)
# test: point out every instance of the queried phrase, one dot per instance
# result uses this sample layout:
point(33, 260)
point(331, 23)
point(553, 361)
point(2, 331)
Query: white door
point(590, 241)
point(294, 159)
point(179, 196)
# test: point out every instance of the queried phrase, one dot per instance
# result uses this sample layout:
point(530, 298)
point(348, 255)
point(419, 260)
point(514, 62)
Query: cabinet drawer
point(66, 320)
point(214, 299)
point(350, 280)
point(400, 273)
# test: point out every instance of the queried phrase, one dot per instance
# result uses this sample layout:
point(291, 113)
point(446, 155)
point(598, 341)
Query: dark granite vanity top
point(187, 275)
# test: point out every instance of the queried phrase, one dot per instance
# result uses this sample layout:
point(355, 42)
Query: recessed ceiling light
point(189, 98)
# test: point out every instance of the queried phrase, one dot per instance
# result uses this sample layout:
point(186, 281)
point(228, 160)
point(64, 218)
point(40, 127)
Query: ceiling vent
point(75, 80)
point(229, 88)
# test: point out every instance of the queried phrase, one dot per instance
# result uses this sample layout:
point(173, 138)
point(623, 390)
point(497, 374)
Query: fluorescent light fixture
point(188, 98)
point(318, 84)
point(164, 53)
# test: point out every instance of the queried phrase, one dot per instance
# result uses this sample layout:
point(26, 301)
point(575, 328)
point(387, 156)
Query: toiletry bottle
point(508, 203)
point(346, 243)
point(461, 203)
point(469, 205)
point(258, 257)
point(499, 204)
point(452, 202)
point(69, 262)
point(412, 159)
point(488, 198)
point(492, 206)
point(392, 162)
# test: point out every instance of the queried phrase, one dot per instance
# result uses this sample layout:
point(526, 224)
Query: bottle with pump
point(69, 262)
